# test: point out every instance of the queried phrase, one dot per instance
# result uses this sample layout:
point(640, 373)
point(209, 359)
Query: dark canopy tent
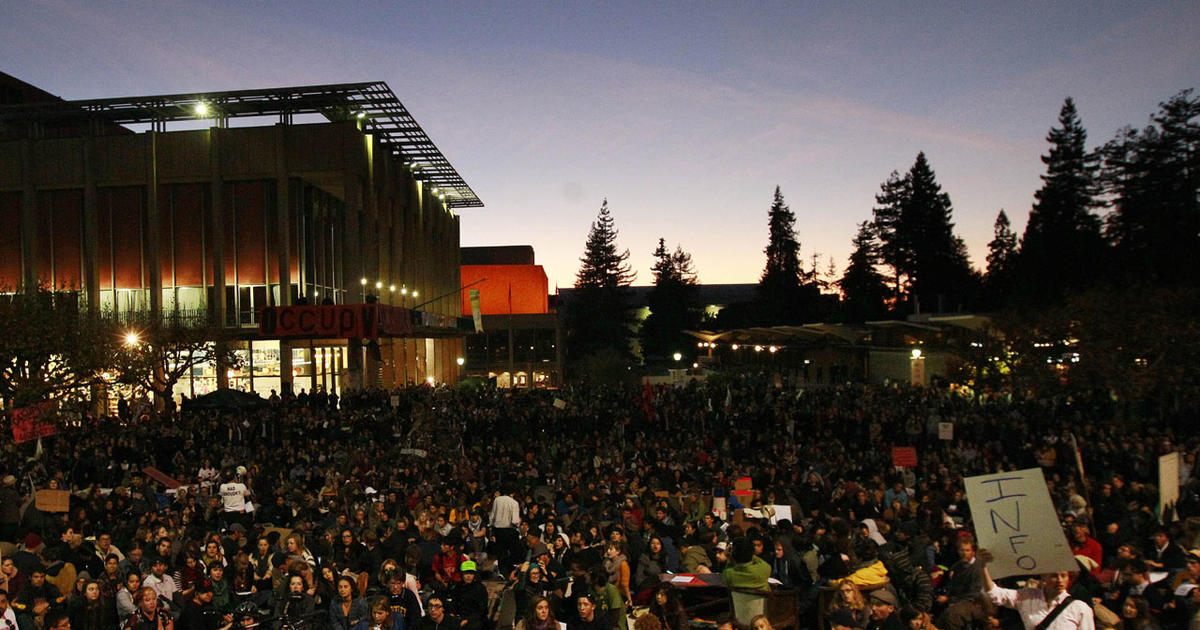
point(227, 399)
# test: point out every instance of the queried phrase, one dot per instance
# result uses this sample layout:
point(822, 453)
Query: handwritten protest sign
point(945, 430)
point(1015, 519)
point(1168, 483)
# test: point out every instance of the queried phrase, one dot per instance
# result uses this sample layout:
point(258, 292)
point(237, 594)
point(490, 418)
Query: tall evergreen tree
point(1062, 246)
point(1001, 261)
point(672, 305)
point(783, 294)
point(917, 240)
point(1152, 179)
point(864, 289)
point(598, 315)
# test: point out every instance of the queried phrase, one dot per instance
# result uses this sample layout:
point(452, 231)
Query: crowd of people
point(423, 508)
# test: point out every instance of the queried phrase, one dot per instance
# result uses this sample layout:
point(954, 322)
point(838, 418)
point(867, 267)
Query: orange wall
point(528, 284)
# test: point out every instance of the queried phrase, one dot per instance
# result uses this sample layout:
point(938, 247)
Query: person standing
point(505, 521)
point(1049, 607)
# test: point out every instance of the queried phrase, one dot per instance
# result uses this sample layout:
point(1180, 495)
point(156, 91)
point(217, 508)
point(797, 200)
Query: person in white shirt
point(504, 521)
point(233, 497)
point(1034, 605)
point(8, 617)
point(158, 580)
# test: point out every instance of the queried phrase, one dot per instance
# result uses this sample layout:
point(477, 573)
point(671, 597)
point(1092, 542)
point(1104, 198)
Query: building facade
point(338, 199)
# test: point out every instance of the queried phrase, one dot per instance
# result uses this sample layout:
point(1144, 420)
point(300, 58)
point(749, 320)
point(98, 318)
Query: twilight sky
point(684, 115)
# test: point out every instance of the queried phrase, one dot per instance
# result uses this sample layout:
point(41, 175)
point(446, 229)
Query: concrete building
point(232, 206)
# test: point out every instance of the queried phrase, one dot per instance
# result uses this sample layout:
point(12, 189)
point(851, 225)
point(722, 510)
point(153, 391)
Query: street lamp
point(460, 361)
point(916, 353)
point(677, 356)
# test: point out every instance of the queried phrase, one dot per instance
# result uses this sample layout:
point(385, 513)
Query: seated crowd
point(397, 510)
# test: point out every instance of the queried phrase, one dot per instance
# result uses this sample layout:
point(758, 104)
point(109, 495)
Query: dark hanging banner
point(344, 321)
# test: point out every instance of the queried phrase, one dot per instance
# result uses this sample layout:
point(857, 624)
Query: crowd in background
point(399, 508)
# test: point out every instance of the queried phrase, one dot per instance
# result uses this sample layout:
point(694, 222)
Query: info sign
point(1015, 520)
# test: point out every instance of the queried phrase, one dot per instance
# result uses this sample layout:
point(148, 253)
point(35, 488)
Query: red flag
point(648, 400)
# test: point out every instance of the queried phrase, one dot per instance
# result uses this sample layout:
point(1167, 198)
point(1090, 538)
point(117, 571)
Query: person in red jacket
point(1082, 544)
point(446, 572)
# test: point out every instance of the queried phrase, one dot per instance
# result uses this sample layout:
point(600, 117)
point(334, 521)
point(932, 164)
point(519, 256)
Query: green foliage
point(598, 315)
point(672, 305)
point(51, 347)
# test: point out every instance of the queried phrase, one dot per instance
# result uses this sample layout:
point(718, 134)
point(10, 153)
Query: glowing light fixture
point(460, 361)
point(363, 281)
point(392, 288)
point(772, 349)
point(677, 356)
point(734, 347)
point(131, 338)
point(378, 285)
point(916, 353)
point(201, 108)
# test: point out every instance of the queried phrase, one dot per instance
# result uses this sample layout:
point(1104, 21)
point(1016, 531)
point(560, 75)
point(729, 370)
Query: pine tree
point(1001, 262)
point(1152, 178)
point(1062, 245)
point(598, 315)
point(672, 305)
point(783, 294)
point(864, 289)
point(917, 240)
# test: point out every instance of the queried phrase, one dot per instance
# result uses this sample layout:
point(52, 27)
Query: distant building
point(521, 342)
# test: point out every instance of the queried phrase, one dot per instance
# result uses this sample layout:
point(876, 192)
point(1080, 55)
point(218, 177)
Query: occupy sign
point(1015, 520)
point(346, 321)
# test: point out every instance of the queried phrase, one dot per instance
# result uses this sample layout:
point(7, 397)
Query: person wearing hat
point(883, 604)
point(468, 599)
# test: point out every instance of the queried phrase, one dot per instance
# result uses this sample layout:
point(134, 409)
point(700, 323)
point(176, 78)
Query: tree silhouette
point(672, 305)
point(864, 289)
point(784, 295)
point(1062, 247)
point(598, 315)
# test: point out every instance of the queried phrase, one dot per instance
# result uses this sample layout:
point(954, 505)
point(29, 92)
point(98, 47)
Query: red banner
point(33, 422)
point(161, 477)
point(344, 321)
point(905, 456)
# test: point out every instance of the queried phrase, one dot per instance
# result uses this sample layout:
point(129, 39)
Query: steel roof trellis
point(373, 103)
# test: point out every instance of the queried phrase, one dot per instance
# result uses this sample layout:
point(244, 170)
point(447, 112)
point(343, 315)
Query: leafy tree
point(1151, 178)
point(159, 352)
point(51, 347)
point(864, 289)
point(598, 315)
point(1001, 261)
point(672, 305)
point(1062, 245)
point(917, 240)
point(785, 294)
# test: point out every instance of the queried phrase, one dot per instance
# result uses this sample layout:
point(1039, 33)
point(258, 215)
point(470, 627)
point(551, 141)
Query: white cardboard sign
point(1015, 520)
point(1168, 481)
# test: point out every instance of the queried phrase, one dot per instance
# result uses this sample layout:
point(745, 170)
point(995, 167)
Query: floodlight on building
point(758, 348)
point(132, 338)
point(201, 108)
point(773, 349)
point(700, 344)
point(362, 115)
point(460, 361)
point(677, 356)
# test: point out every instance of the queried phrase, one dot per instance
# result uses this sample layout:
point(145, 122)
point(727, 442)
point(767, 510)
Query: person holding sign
point(1049, 607)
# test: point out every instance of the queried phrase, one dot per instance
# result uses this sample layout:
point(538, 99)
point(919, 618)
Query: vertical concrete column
point(283, 242)
point(153, 252)
point(28, 215)
point(216, 231)
point(91, 228)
